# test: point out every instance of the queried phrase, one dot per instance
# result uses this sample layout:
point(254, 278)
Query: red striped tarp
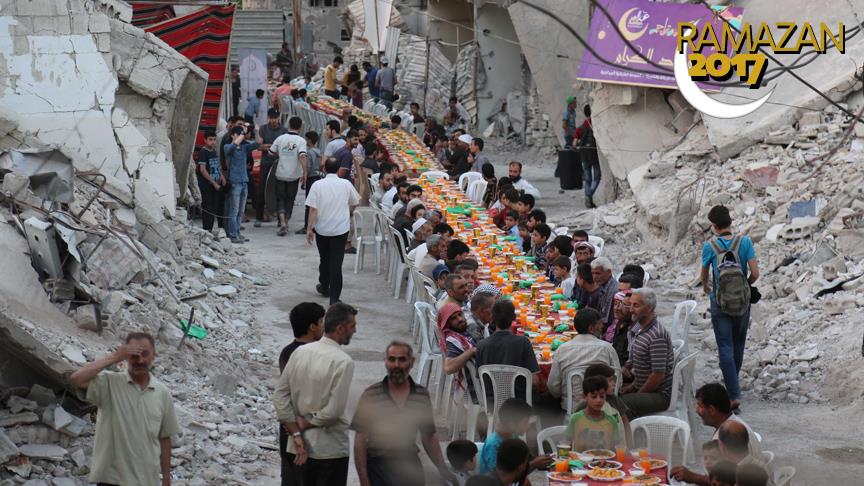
point(203, 36)
point(144, 14)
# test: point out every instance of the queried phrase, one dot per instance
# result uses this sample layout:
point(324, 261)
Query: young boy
point(514, 417)
point(593, 428)
point(525, 205)
point(505, 203)
point(211, 182)
point(440, 274)
point(466, 270)
point(535, 217)
point(253, 104)
point(614, 406)
point(559, 246)
point(511, 222)
point(524, 237)
point(711, 454)
point(462, 455)
point(539, 244)
point(561, 274)
point(722, 474)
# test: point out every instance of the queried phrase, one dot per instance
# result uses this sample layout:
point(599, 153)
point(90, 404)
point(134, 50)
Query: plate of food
point(604, 464)
point(606, 475)
point(592, 454)
point(644, 480)
point(658, 463)
point(564, 477)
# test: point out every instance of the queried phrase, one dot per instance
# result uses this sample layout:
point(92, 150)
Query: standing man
point(307, 322)
point(345, 156)
point(333, 132)
point(266, 136)
point(331, 201)
point(331, 84)
point(235, 90)
point(136, 417)
point(651, 359)
point(211, 182)
point(310, 401)
point(291, 170)
point(729, 294)
point(390, 415)
point(590, 161)
point(385, 81)
point(569, 122)
point(236, 154)
point(371, 74)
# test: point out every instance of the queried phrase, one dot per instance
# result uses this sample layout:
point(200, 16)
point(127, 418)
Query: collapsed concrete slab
point(105, 94)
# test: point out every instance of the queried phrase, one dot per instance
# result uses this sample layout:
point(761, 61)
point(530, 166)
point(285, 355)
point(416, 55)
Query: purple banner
point(653, 29)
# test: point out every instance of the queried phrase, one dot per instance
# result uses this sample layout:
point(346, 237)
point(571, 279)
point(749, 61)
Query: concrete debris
point(13, 419)
point(44, 253)
point(223, 290)
point(88, 317)
point(41, 395)
point(43, 451)
point(210, 262)
point(113, 264)
point(49, 173)
point(8, 449)
point(17, 404)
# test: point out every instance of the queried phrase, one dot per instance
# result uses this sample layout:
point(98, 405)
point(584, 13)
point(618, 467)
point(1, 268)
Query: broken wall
point(501, 60)
point(553, 53)
point(456, 27)
point(80, 79)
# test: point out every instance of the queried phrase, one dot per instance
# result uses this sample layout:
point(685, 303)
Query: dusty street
point(816, 439)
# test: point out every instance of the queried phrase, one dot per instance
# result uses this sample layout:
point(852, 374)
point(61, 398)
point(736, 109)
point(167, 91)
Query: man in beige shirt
point(580, 352)
point(136, 417)
point(310, 401)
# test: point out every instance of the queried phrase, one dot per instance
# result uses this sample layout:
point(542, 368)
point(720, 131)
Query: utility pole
point(298, 36)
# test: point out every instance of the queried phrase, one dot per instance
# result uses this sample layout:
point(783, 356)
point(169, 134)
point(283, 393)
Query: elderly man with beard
point(136, 418)
point(390, 415)
point(601, 271)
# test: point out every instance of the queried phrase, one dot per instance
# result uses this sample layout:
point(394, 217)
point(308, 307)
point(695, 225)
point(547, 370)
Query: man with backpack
point(734, 269)
point(587, 146)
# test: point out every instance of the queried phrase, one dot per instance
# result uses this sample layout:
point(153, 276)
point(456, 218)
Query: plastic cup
point(643, 453)
point(620, 454)
point(563, 451)
point(645, 464)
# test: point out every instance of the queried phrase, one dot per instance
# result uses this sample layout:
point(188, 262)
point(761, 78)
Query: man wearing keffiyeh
point(459, 348)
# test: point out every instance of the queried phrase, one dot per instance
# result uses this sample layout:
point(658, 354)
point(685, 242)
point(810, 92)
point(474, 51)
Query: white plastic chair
point(435, 174)
point(461, 411)
point(476, 190)
point(562, 231)
point(503, 380)
point(646, 279)
point(431, 363)
point(549, 436)
point(365, 235)
point(573, 385)
point(598, 243)
point(400, 267)
point(682, 402)
point(783, 476)
point(418, 129)
point(660, 435)
point(677, 347)
point(681, 319)
point(767, 457)
point(467, 178)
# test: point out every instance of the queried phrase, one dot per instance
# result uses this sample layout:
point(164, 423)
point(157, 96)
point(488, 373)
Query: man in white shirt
point(514, 171)
point(290, 170)
point(402, 191)
point(581, 351)
point(331, 201)
point(334, 135)
point(310, 401)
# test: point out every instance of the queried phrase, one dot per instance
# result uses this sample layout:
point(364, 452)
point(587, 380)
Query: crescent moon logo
point(622, 27)
point(701, 101)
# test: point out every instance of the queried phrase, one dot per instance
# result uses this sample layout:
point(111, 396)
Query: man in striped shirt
point(651, 359)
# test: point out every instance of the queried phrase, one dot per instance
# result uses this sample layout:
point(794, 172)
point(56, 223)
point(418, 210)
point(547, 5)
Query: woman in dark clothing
point(352, 76)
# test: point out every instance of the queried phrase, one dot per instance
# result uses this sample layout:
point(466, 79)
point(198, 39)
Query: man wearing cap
point(439, 275)
point(267, 134)
point(569, 122)
point(457, 163)
point(385, 81)
point(422, 229)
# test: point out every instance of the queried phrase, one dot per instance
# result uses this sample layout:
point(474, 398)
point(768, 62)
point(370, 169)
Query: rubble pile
point(808, 228)
point(118, 274)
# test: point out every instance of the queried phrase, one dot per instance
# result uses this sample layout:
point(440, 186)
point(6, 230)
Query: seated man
point(435, 246)
point(504, 347)
point(601, 270)
point(714, 407)
point(514, 170)
point(457, 291)
point(416, 255)
point(651, 359)
point(481, 316)
point(735, 447)
point(577, 354)
point(422, 230)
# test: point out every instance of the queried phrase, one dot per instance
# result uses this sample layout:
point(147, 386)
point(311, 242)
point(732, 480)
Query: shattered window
point(323, 3)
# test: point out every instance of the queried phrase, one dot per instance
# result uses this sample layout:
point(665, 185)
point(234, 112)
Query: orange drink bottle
point(547, 352)
point(620, 454)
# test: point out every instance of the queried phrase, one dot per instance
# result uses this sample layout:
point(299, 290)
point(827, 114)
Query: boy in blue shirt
point(729, 331)
point(236, 154)
point(253, 104)
point(514, 417)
